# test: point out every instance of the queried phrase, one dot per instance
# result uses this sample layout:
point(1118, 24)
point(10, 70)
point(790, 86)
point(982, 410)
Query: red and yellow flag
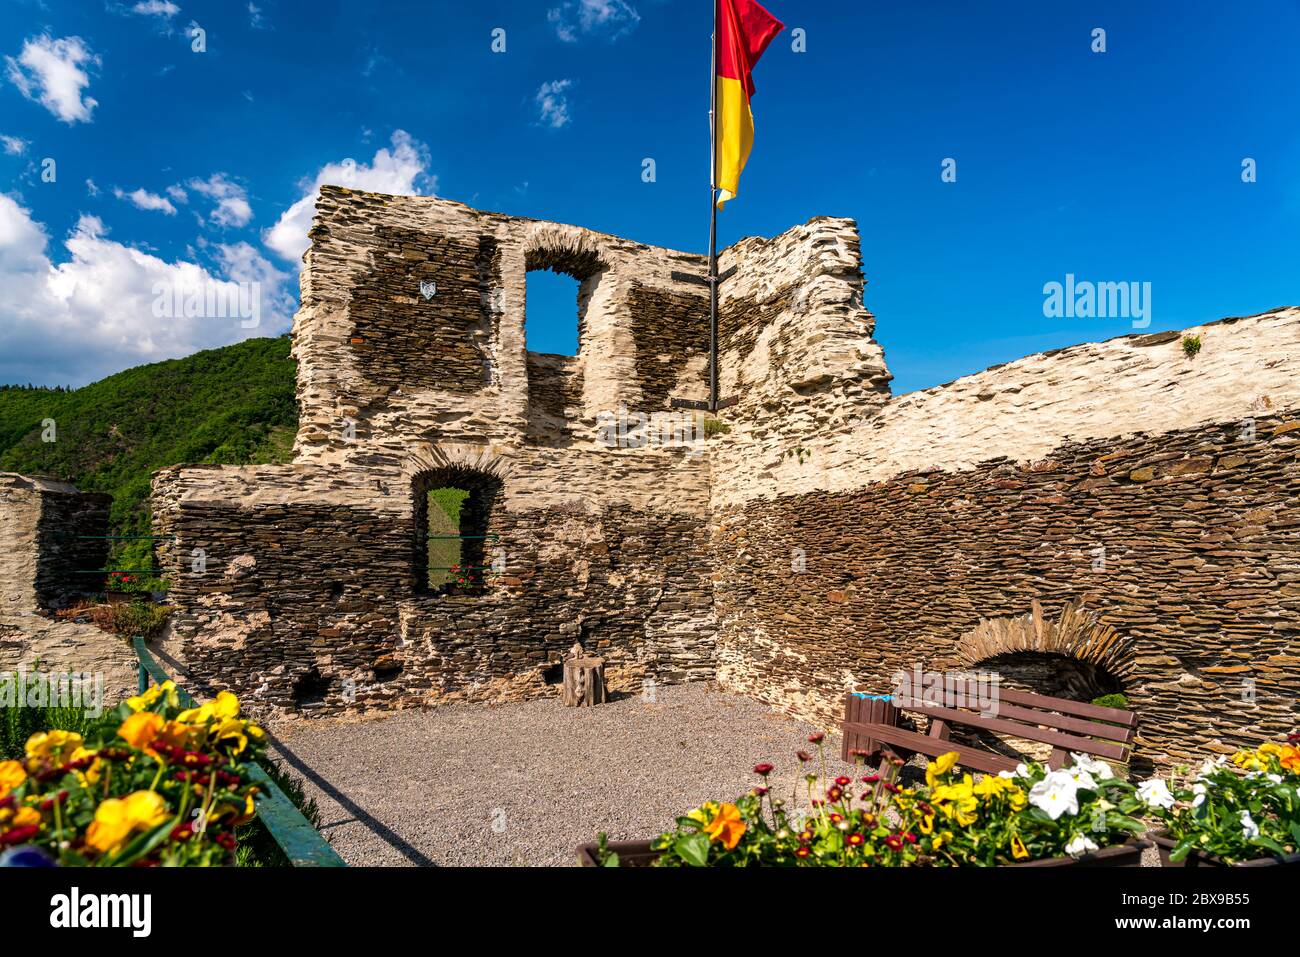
point(744, 31)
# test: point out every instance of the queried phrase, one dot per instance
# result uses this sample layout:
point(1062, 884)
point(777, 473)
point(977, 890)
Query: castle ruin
point(826, 535)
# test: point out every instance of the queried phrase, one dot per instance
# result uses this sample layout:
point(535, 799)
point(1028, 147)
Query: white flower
point(1199, 790)
point(1209, 767)
point(1249, 829)
point(1056, 794)
point(1155, 793)
point(1081, 778)
point(1080, 845)
point(1098, 769)
point(1275, 778)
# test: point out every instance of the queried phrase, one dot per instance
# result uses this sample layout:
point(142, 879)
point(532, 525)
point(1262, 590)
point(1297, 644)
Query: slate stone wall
point(1201, 566)
point(317, 608)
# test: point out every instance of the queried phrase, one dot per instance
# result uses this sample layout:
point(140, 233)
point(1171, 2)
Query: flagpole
point(713, 218)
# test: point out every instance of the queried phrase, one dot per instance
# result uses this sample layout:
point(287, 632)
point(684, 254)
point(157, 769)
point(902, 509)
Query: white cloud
point(553, 104)
point(255, 18)
point(143, 199)
point(98, 312)
point(403, 171)
point(14, 145)
point(232, 208)
point(609, 18)
point(50, 72)
point(156, 8)
point(177, 193)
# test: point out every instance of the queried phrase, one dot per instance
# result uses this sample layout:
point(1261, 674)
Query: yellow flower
point(958, 801)
point(47, 744)
point(726, 826)
point(26, 816)
point(704, 813)
point(91, 774)
point(232, 731)
point(116, 819)
point(11, 775)
point(1018, 849)
point(940, 765)
point(147, 700)
point(141, 729)
point(226, 705)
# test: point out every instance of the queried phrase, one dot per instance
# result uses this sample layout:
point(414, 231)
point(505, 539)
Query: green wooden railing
point(302, 844)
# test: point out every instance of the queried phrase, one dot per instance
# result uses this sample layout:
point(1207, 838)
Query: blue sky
point(1117, 166)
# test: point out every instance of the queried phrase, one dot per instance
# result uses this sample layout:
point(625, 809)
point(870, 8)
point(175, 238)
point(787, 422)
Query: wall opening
point(551, 312)
point(454, 545)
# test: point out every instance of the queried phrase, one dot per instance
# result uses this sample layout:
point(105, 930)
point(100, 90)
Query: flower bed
point(1243, 812)
point(155, 784)
point(1083, 814)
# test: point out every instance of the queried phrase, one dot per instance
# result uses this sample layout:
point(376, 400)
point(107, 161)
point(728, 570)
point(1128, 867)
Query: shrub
point(1191, 346)
point(1112, 701)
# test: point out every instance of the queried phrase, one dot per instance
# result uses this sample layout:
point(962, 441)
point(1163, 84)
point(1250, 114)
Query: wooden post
point(584, 680)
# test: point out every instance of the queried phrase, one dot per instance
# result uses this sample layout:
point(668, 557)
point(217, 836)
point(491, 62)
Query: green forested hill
point(230, 406)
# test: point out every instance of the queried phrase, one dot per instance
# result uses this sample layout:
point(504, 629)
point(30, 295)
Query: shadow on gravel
point(382, 831)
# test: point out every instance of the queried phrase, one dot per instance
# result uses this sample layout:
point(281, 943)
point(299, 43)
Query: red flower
point(226, 840)
point(891, 788)
point(803, 851)
point(183, 832)
point(803, 756)
point(909, 837)
point(759, 792)
point(834, 793)
point(18, 835)
point(855, 839)
point(816, 738)
point(764, 769)
point(893, 843)
point(871, 779)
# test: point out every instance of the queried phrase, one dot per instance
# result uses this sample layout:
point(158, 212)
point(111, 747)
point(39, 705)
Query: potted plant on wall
point(1081, 815)
point(1239, 813)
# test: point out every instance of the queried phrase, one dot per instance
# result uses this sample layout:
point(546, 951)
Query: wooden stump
point(584, 682)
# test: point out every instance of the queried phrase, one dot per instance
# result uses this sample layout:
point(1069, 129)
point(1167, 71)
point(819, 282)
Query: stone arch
point(1076, 656)
point(487, 459)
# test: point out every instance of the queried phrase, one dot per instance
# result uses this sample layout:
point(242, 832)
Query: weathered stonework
point(833, 535)
point(50, 534)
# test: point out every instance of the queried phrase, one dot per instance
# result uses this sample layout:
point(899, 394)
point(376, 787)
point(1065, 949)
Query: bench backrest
point(1064, 724)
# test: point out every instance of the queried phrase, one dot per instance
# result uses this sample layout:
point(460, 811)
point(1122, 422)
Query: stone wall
point(1187, 542)
point(50, 534)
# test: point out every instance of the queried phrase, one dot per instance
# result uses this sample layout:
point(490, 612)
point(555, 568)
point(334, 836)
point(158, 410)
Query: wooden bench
point(1066, 725)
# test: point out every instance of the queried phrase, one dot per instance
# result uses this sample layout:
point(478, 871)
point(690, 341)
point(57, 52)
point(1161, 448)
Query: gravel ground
point(526, 783)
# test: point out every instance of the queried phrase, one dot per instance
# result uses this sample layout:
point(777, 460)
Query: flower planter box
point(1128, 854)
point(1166, 844)
point(630, 854)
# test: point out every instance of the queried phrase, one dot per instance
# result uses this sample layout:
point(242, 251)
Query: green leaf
point(611, 860)
point(693, 849)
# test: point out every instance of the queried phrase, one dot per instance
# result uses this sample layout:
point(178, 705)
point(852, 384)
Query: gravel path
point(526, 783)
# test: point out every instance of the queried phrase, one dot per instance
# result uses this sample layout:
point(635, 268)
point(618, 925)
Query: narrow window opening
point(551, 310)
point(452, 509)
